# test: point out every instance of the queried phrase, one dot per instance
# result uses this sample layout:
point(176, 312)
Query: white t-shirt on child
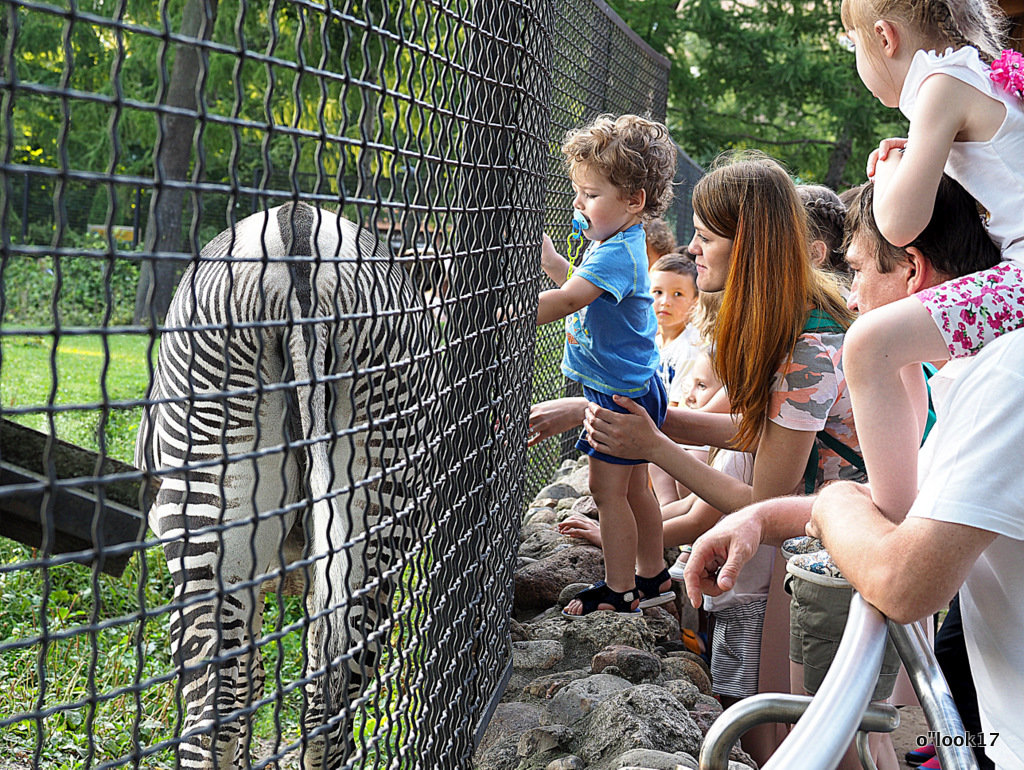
point(677, 359)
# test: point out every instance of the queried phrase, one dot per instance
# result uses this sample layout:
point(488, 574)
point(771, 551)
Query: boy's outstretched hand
point(549, 418)
point(554, 265)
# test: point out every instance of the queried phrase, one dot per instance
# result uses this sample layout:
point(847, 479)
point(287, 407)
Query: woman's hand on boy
point(632, 436)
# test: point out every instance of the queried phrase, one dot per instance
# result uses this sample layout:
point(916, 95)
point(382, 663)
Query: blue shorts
point(654, 402)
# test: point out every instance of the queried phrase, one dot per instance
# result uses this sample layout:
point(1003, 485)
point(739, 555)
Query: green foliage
point(130, 647)
point(89, 290)
point(768, 75)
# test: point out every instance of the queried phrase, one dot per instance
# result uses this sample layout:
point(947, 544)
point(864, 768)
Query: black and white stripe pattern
point(736, 649)
point(286, 402)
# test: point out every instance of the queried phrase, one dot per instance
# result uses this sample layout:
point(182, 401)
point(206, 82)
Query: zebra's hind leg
point(216, 618)
point(221, 674)
point(344, 654)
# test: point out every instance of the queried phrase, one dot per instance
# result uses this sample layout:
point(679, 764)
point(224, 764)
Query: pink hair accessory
point(1008, 71)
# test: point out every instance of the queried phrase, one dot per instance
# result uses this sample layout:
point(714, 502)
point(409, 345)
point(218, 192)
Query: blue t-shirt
point(609, 344)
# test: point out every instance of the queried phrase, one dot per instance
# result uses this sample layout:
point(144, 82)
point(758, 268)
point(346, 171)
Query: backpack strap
point(929, 370)
point(820, 322)
point(837, 446)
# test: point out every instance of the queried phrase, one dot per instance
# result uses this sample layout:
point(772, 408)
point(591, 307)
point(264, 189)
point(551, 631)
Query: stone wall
point(604, 691)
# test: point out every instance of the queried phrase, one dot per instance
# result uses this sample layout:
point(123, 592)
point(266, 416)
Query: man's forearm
point(783, 517)
point(907, 571)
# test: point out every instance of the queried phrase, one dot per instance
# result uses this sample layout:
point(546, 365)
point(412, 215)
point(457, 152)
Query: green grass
point(36, 373)
point(105, 666)
point(136, 648)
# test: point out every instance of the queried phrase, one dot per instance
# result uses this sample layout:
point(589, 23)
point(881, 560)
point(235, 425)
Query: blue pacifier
point(579, 222)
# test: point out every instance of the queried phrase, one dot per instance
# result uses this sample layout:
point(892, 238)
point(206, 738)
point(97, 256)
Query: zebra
point(286, 407)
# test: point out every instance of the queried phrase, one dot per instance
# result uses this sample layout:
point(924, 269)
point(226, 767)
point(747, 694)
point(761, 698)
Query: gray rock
point(567, 467)
point(636, 665)
point(565, 504)
point(558, 490)
point(663, 624)
point(539, 541)
point(694, 657)
point(538, 585)
point(522, 561)
point(577, 699)
point(708, 703)
point(542, 654)
point(579, 479)
point(544, 687)
point(547, 625)
point(532, 658)
point(642, 717)
point(585, 637)
point(569, 762)
point(684, 690)
point(703, 719)
point(655, 760)
point(540, 517)
point(683, 668)
point(509, 720)
point(500, 756)
point(540, 740)
point(519, 633)
point(585, 506)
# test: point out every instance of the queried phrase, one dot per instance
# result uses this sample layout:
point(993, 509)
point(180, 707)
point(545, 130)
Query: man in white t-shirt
point(966, 527)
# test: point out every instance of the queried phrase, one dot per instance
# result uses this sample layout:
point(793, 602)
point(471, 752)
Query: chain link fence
point(321, 411)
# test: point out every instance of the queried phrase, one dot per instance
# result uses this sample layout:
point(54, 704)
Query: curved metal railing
point(827, 723)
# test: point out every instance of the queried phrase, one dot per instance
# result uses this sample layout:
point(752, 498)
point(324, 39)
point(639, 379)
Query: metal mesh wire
point(332, 411)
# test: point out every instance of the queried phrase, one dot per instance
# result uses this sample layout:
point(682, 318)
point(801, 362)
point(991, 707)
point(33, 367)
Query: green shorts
point(817, 617)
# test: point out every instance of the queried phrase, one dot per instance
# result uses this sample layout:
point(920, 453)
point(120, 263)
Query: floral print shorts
point(974, 309)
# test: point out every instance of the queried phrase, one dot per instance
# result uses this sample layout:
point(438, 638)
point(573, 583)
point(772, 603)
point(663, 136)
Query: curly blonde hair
point(634, 154)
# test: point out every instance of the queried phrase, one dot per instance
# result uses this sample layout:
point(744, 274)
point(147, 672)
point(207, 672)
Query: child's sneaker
point(931, 764)
point(679, 565)
point(799, 545)
point(817, 568)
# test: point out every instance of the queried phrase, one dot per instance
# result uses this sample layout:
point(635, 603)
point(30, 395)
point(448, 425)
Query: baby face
point(702, 384)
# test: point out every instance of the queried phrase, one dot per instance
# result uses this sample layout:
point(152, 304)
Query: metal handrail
point(821, 736)
point(933, 693)
point(828, 722)
point(776, 707)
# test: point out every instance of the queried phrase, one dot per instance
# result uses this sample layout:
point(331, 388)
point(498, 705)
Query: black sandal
point(623, 603)
point(650, 591)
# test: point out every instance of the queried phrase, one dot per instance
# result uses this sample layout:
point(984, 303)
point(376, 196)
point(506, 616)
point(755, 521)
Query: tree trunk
point(838, 159)
point(171, 160)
